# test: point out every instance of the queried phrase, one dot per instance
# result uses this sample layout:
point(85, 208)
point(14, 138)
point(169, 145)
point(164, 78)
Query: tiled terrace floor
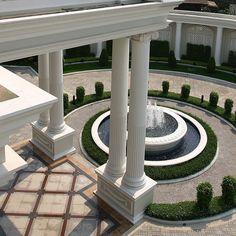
point(55, 199)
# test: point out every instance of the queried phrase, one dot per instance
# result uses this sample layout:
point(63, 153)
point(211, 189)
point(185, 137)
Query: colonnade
point(50, 133)
point(218, 43)
point(122, 182)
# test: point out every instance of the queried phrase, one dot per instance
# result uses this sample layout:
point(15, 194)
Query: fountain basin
point(170, 141)
point(173, 154)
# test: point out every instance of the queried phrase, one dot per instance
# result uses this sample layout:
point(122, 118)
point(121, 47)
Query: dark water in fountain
point(187, 145)
point(168, 127)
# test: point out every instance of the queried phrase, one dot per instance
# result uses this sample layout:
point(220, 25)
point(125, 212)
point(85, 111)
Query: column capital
point(145, 37)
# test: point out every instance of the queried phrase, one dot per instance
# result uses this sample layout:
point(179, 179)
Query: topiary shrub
point(185, 91)
point(211, 66)
point(65, 101)
point(204, 195)
point(80, 92)
point(228, 106)
point(228, 189)
point(165, 87)
point(103, 59)
point(99, 88)
point(172, 59)
point(213, 100)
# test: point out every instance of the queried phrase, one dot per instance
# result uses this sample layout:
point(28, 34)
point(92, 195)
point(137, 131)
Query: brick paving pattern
point(55, 199)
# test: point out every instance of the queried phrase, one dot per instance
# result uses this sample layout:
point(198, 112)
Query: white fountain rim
point(178, 134)
point(179, 160)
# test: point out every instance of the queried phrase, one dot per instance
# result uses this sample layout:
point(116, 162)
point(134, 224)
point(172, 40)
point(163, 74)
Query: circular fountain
point(172, 137)
point(164, 130)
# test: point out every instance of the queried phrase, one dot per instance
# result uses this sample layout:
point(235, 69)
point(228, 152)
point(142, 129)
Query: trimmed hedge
point(228, 106)
point(80, 92)
point(90, 147)
point(198, 52)
point(204, 195)
point(185, 91)
point(232, 59)
point(65, 101)
point(159, 48)
point(211, 66)
point(172, 60)
point(213, 100)
point(83, 51)
point(228, 189)
point(99, 88)
point(103, 59)
point(165, 87)
point(188, 210)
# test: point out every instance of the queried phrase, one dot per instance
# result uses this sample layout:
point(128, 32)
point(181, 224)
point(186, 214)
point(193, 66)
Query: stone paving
point(55, 199)
point(164, 193)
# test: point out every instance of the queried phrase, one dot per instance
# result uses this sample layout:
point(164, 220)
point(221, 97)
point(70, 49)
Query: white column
point(119, 101)
point(56, 124)
point(218, 46)
point(43, 74)
point(178, 40)
point(134, 176)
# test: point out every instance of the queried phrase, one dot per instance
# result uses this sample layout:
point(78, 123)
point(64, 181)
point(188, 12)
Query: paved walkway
point(225, 164)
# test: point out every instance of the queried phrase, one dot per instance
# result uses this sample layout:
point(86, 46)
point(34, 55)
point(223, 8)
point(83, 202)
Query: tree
point(103, 60)
point(172, 59)
point(211, 66)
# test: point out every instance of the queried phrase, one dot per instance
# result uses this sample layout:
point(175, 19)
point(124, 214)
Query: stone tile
point(59, 182)
point(81, 206)
point(21, 203)
point(65, 167)
point(83, 227)
point(81, 182)
point(35, 165)
point(106, 225)
point(53, 204)
point(43, 226)
point(14, 225)
point(28, 181)
point(2, 197)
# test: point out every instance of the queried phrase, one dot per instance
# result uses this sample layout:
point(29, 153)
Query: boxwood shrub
point(185, 91)
point(228, 106)
point(213, 100)
point(80, 92)
point(65, 101)
point(165, 87)
point(228, 189)
point(99, 88)
point(204, 195)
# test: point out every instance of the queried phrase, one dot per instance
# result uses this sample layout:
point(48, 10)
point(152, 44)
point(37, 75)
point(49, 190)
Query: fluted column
point(178, 40)
point(119, 101)
point(134, 176)
point(56, 124)
point(218, 45)
point(43, 74)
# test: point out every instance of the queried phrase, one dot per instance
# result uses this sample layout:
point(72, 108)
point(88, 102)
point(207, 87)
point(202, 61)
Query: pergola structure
point(46, 30)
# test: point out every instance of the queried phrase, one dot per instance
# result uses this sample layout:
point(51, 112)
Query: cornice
point(33, 35)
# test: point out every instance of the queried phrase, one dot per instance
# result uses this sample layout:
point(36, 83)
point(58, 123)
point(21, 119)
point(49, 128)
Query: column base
point(12, 164)
point(54, 146)
point(128, 202)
